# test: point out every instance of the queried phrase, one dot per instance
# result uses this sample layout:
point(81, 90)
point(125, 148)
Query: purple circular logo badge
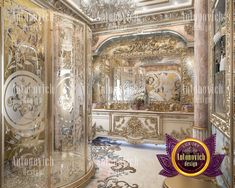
point(190, 157)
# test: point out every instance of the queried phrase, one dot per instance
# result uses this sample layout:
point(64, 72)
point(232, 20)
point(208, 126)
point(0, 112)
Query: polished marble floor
point(119, 164)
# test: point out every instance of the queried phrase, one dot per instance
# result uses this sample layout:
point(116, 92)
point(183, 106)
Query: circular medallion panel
point(24, 101)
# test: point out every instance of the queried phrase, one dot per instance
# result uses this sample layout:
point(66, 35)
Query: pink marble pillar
point(200, 129)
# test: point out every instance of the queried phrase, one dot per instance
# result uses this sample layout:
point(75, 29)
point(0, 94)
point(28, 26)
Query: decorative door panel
point(24, 79)
point(44, 137)
point(69, 99)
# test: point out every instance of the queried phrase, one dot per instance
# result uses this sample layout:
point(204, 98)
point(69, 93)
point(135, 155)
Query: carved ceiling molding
point(184, 15)
point(174, 16)
point(64, 7)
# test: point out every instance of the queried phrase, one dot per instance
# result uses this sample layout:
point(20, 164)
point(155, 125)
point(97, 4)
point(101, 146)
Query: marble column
point(200, 129)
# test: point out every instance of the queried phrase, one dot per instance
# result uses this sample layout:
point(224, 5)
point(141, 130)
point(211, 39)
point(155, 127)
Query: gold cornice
point(68, 7)
point(156, 17)
point(140, 28)
point(159, 18)
point(64, 6)
point(143, 112)
point(169, 10)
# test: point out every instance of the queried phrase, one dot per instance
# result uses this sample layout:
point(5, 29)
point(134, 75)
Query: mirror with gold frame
point(144, 72)
point(221, 80)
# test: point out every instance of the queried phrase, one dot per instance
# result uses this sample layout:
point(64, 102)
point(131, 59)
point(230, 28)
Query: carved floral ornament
point(136, 129)
point(159, 46)
point(184, 15)
point(189, 29)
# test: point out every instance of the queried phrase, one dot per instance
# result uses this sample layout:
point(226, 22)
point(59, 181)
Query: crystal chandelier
point(109, 10)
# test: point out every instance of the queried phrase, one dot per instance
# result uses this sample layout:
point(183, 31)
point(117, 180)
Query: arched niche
point(146, 71)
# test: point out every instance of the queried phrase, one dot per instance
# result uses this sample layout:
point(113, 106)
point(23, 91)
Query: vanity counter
point(141, 126)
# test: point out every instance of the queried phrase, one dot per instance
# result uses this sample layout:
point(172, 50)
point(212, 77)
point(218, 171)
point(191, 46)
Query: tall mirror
point(221, 78)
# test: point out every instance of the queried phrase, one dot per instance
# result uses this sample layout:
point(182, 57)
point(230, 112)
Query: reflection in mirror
point(219, 77)
point(149, 72)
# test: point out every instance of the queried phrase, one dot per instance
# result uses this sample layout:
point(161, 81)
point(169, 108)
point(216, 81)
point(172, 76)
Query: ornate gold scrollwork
point(136, 129)
point(158, 18)
point(159, 45)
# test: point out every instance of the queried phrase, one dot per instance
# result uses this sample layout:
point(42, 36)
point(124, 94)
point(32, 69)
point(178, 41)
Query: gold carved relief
point(157, 18)
point(159, 45)
point(189, 29)
point(135, 129)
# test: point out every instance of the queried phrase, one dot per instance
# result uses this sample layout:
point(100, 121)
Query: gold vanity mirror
point(144, 72)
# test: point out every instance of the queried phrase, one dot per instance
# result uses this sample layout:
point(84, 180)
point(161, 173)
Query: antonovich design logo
point(190, 157)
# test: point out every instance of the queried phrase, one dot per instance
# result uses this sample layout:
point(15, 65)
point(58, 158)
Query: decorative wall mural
point(141, 72)
point(163, 86)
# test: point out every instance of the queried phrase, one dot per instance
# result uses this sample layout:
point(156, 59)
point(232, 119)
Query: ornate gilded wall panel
point(24, 80)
